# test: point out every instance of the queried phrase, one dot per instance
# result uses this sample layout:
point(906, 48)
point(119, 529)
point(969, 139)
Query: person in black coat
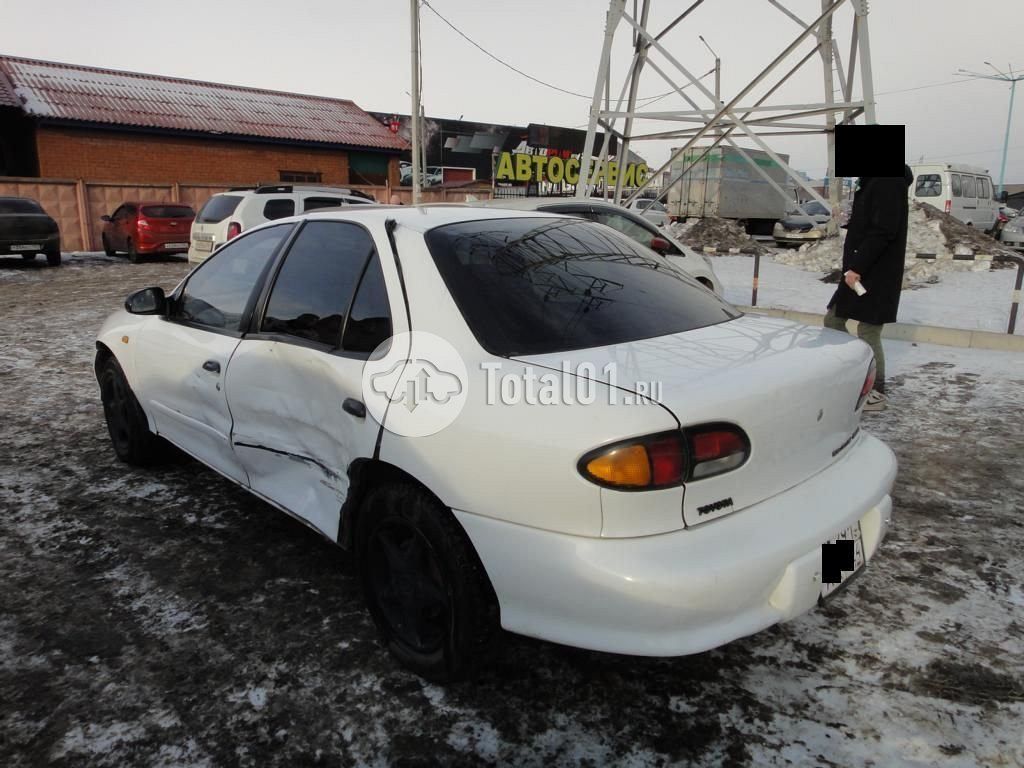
point(873, 255)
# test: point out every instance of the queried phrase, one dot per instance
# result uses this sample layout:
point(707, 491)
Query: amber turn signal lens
point(627, 466)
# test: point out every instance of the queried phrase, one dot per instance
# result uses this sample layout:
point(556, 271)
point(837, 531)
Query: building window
point(303, 177)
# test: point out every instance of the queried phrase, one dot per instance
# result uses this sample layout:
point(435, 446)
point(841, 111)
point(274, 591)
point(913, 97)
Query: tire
point(133, 255)
point(53, 258)
point(106, 246)
point(424, 585)
point(126, 422)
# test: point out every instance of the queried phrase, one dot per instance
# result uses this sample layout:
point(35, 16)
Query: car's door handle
point(353, 406)
point(212, 366)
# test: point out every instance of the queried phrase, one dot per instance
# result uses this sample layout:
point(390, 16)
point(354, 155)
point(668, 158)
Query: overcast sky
point(360, 51)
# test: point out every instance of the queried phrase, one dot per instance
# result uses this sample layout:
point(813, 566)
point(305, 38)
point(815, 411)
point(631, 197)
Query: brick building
point(72, 122)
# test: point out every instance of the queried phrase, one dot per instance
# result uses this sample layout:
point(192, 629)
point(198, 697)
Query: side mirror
point(660, 244)
point(105, 218)
point(148, 301)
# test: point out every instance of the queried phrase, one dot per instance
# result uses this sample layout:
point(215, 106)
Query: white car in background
point(629, 223)
point(738, 493)
point(652, 210)
point(228, 214)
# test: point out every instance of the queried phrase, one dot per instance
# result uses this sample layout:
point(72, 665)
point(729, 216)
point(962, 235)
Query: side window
point(218, 292)
point(955, 183)
point(631, 229)
point(969, 190)
point(369, 320)
point(116, 215)
point(984, 193)
point(314, 287)
point(278, 208)
point(312, 203)
point(928, 185)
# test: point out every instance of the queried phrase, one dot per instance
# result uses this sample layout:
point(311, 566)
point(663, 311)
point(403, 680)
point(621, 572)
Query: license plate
point(175, 245)
point(841, 557)
point(204, 245)
point(26, 247)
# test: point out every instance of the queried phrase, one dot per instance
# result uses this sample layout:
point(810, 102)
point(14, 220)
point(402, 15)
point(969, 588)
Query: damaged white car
point(619, 460)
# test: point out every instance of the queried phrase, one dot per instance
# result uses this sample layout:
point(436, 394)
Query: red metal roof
point(48, 89)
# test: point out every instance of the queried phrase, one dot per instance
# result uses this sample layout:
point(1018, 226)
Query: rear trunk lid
point(791, 388)
point(18, 226)
point(173, 220)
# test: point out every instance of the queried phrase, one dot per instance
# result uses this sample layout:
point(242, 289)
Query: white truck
point(724, 184)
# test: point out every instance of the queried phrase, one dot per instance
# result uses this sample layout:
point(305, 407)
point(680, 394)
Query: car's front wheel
point(53, 258)
point(107, 248)
point(126, 421)
point(424, 585)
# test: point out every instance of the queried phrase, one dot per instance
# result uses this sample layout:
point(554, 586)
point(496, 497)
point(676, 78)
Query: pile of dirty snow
point(929, 231)
point(711, 232)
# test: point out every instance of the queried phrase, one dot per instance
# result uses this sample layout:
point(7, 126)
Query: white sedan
point(514, 420)
point(652, 210)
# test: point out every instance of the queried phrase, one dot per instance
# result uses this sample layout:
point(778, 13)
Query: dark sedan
point(26, 230)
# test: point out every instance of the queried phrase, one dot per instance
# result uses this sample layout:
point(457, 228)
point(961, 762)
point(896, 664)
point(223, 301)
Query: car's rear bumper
point(16, 245)
point(690, 590)
point(170, 244)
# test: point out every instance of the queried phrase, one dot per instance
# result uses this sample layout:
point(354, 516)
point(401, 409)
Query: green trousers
point(872, 334)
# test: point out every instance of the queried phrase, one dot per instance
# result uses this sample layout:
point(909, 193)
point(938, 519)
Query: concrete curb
point(926, 334)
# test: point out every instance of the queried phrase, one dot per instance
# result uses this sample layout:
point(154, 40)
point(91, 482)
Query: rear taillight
point(234, 229)
point(667, 458)
point(142, 223)
point(645, 463)
point(869, 382)
point(714, 449)
point(948, 208)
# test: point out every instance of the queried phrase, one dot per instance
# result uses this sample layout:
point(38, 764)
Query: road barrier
point(1007, 257)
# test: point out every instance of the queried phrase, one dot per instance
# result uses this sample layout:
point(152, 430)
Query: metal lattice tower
point(718, 120)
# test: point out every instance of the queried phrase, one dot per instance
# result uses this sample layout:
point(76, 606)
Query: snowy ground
point(974, 300)
point(164, 617)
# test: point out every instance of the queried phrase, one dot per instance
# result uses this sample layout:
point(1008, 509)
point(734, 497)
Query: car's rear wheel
point(424, 585)
point(133, 253)
point(106, 246)
point(53, 258)
point(126, 421)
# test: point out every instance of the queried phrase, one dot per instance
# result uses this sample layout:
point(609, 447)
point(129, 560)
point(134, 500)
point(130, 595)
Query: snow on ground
point(974, 300)
point(164, 617)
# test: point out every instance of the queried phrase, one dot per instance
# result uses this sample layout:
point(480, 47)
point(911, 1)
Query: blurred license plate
point(841, 557)
point(204, 245)
point(26, 247)
point(175, 245)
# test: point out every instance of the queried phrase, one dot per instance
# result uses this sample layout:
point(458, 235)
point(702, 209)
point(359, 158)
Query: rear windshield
point(928, 185)
point(218, 208)
point(168, 211)
point(533, 286)
point(16, 205)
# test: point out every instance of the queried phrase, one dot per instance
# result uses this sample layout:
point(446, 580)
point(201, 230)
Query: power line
point(475, 44)
point(483, 50)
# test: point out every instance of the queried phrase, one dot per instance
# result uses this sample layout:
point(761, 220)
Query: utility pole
point(827, 49)
point(417, 124)
point(1007, 77)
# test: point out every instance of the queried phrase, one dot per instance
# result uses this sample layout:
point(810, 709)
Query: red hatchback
point(142, 229)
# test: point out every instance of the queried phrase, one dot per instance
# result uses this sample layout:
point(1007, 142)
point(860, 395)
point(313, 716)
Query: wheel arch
point(366, 474)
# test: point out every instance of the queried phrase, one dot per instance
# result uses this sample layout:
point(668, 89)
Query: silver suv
point(228, 214)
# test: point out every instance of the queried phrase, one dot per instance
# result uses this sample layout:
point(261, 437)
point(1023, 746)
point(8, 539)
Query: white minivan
point(228, 214)
point(965, 192)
